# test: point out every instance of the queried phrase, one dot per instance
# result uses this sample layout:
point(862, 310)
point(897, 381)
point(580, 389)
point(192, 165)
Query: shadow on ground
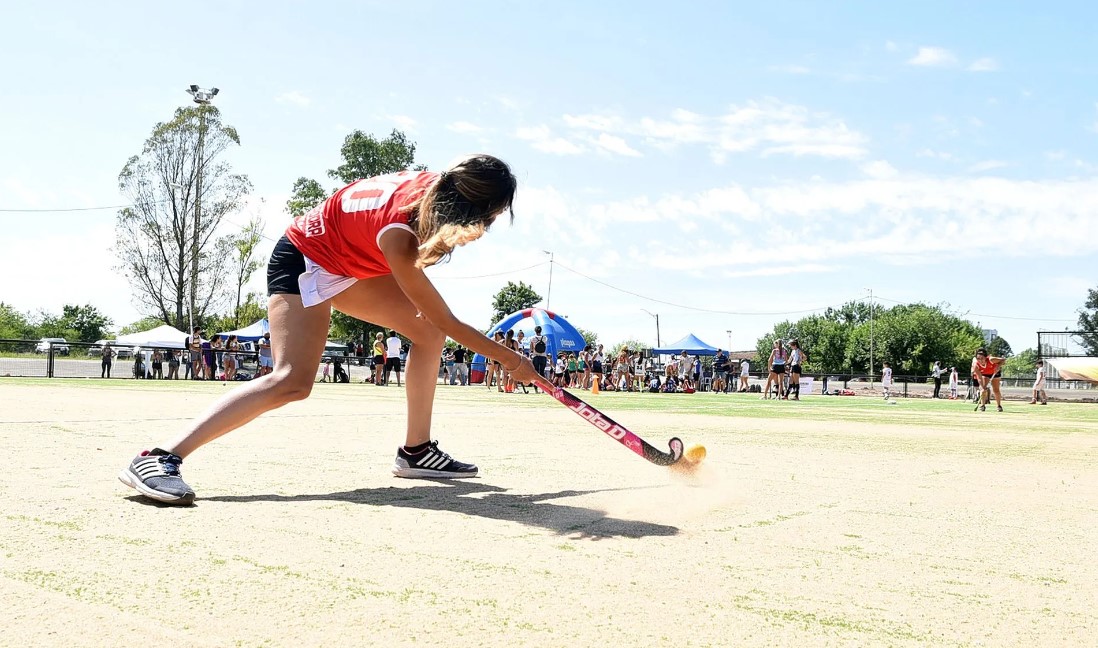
point(487, 501)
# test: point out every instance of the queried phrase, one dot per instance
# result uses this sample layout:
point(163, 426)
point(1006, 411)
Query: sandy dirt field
point(798, 532)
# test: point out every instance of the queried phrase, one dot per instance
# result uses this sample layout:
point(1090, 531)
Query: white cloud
point(897, 218)
point(614, 144)
point(768, 126)
point(930, 153)
point(403, 122)
point(985, 64)
point(778, 271)
point(293, 97)
point(464, 127)
point(542, 139)
point(879, 169)
point(933, 57)
point(987, 165)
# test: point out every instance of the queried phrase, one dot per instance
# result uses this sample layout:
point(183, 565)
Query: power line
point(693, 308)
point(497, 274)
point(75, 209)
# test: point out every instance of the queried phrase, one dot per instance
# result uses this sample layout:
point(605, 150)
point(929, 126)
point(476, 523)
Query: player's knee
point(289, 386)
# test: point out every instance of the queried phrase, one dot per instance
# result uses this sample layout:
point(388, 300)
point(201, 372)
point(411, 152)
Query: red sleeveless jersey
point(341, 234)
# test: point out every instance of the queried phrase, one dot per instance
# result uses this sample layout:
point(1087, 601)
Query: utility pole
point(549, 293)
point(202, 98)
point(870, 337)
point(657, 317)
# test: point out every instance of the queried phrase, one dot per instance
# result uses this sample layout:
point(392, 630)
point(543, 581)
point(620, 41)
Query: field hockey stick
point(614, 430)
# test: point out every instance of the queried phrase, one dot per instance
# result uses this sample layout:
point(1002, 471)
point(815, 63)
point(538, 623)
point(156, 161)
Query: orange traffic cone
point(595, 387)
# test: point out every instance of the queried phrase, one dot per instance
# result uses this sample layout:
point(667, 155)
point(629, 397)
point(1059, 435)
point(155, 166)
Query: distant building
point(989, 335)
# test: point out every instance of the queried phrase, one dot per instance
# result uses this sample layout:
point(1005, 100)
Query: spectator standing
point(1039, 385)
point(936, 373)
point(539, 348)
point(379, 358)
point(157, 365)
point(266, 360)
point(745, 374)
point(598, 366)
point(886, 380)
point(796, 357)
point(194, 354)
point(461, 367)
point(231, 360)
point(173, 364)
point(953, 379)
point(447, 366)
point(720, 372)
point(697, 364)
point(776, 365)
point(586, 362)
point(108, 359)
point(392, 356)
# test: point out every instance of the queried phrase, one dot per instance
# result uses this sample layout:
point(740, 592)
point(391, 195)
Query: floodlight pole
point(657, 318)
point(202, 97)
point(549, 293)
point(870, 337)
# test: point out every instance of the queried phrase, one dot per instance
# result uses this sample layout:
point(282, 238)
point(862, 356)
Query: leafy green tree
point(346, 328)
point(590, 337)
point(1088, 323)
point(180, 190)
point(850, 313)
point(89, 324)
point(365, 156)
point(46, 324)
point(306, 194)
point(1022, 365)
point(244, 260)
point(999, 347)
point(14, 325)
point(513, 298)
point(253, 308)
point(629, 344)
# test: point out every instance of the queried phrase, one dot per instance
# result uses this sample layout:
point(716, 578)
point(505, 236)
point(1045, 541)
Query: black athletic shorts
point(778, 368)
point(795, 369)
point(392, 363)
point(596, 367)
point(286, 265)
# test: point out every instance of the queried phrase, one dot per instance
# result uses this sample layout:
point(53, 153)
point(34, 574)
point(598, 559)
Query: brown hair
point(460, 206)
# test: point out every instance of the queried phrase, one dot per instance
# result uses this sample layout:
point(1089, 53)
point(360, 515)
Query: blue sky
point(725, 165)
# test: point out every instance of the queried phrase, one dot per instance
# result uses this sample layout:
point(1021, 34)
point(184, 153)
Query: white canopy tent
point(162, 336)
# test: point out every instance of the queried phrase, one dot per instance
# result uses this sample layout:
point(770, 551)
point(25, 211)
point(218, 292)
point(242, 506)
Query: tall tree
point(590, 337)
point(999, 347)
point(90, 324)
point(165, 243)
point(13, 324)
point(365, 156)
point(306, 194)
point(512, 298)
point(244, 260)
point(1088, 323)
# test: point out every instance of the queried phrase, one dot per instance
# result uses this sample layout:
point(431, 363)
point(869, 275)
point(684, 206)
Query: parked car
point(60, 345)
point(120, 352)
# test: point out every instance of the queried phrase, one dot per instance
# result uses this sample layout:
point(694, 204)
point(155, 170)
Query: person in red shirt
point(989, 370)
point(362, 252)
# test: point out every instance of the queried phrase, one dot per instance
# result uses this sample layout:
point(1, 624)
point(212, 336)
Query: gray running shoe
point(155, 474)
point(431, 463)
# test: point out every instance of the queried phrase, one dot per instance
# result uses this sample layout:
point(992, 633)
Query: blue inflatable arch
point(559, 333)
